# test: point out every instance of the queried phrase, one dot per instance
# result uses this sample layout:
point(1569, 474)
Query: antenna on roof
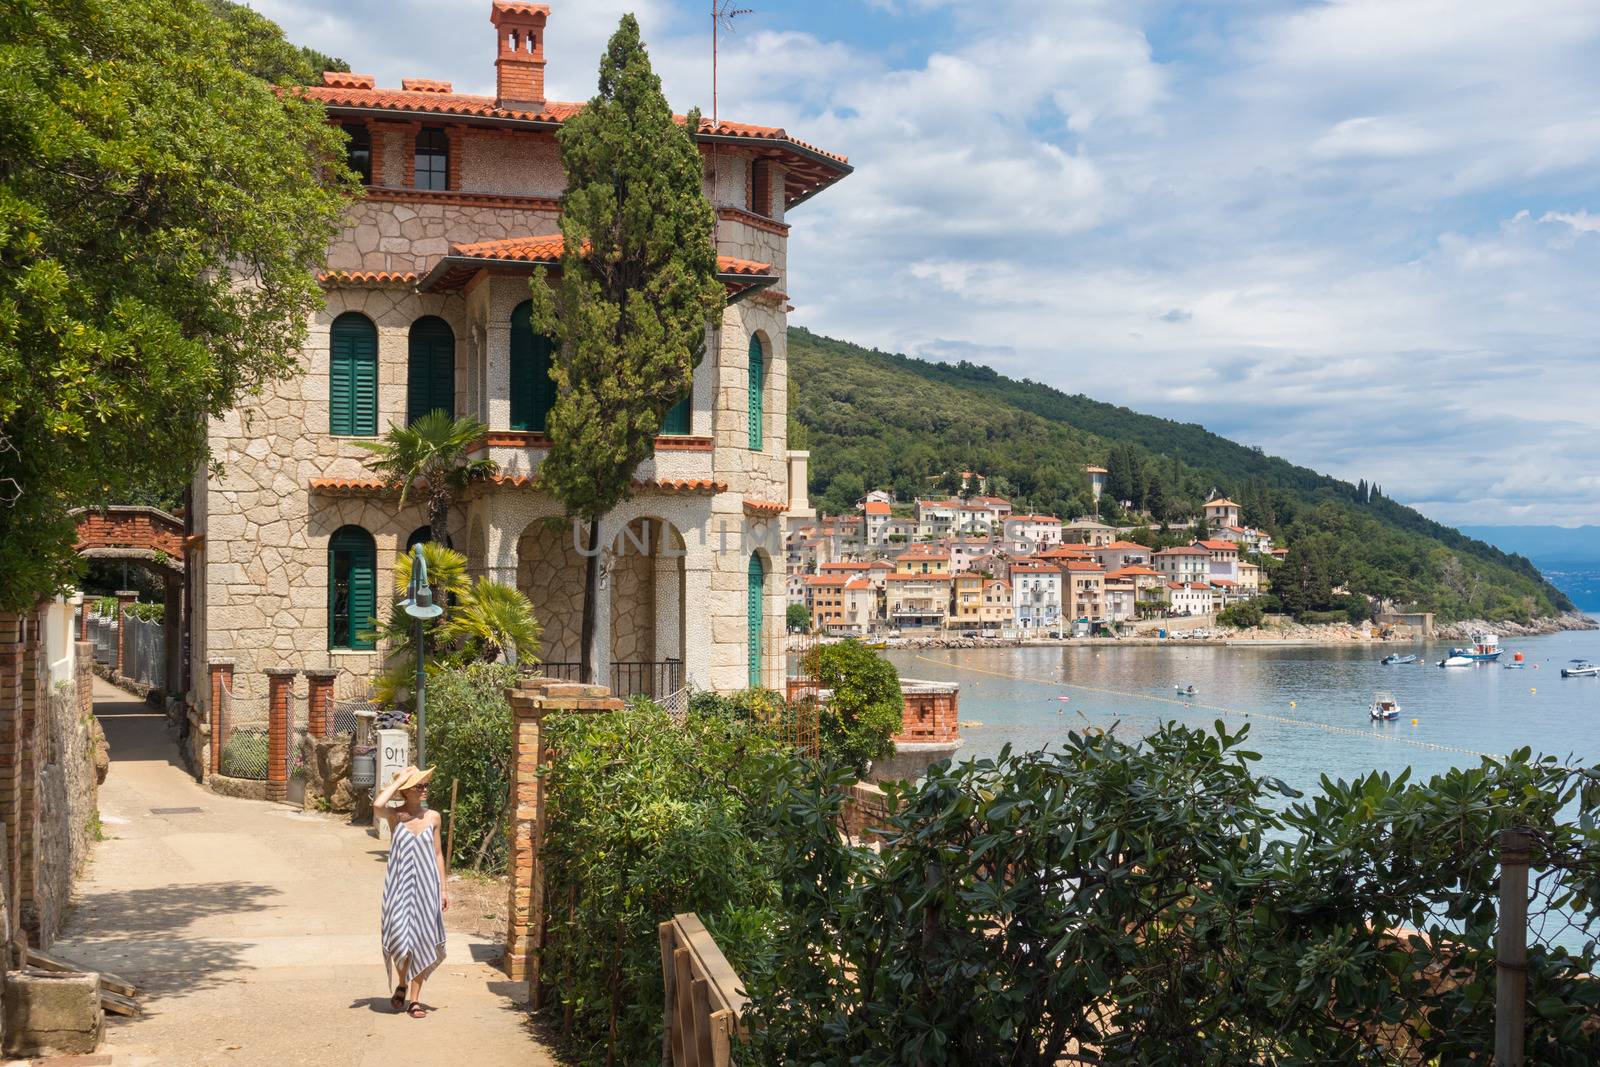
point(723, 13)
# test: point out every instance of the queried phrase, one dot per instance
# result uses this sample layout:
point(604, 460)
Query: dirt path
point(254, 930)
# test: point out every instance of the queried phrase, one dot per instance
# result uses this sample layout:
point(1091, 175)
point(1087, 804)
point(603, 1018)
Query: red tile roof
point(826, 579)
point(425, 85)
point(1223, 503)
point(1190, 551)
point(1134, 571)
point(367, 277)
point(1035, 566)
point(858, 583)
point(810, 169)
point(1082, 566)
point(1121, 546)
point(1217, 546)
point(464, 260)
point(1034, 518)
point(347, 486)
point(876, 507)
point(764, 507)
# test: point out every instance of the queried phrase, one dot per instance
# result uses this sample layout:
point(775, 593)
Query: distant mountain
point(1568, 555)
point(875, 419)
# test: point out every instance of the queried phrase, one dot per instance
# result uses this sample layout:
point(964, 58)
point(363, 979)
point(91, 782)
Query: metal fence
point(103, 632)
point(656, 679)
point(144, 652)
point(244, 746)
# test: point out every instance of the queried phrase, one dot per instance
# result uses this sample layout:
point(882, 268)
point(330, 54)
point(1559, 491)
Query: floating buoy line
point(1287, 720)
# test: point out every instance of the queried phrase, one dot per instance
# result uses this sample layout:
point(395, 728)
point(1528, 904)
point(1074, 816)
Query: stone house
point(427, 309)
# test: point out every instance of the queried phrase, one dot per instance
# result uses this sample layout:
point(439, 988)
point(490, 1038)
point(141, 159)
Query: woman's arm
point(380, 803)
point(438, 857)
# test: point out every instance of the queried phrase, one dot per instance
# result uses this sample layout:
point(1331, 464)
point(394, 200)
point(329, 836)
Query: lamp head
point(420, 605)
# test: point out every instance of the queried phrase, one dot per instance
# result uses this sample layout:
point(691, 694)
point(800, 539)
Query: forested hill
point(874, 419)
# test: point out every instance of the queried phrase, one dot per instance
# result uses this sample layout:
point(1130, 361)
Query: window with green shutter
point(758, 381)
point(352, 588)
point(678, 419)
point(756, 583)
point(431, 370)
point(353, 376)
point(532, 391)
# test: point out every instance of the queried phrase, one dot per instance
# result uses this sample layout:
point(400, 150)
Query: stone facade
point(283, 483)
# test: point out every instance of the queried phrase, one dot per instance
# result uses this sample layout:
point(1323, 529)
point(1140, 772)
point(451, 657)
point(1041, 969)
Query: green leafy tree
point(432, 455)
point(866, 709)
point(637, 290)
point(797, 618)
point(258, 46)
point(161, 215)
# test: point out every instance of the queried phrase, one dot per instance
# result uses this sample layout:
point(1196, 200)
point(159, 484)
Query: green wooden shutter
point(352, 588)
point(353, 376)
point(532, 391)
point(431, 369)
point(677, 420)
point(756, 581)
point(758, 376)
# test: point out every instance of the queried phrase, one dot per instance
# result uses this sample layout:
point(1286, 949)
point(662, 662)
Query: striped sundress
point(413, 918)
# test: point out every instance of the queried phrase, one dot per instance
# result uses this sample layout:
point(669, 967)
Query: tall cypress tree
point(638, 288)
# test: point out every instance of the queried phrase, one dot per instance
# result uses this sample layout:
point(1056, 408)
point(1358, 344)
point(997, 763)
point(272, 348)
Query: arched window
point(352, 588)
point(679, 418)
point(431, 372)
point(358, 150)
point(421, 536)
point(758, 381)
point(432, 164)
point(532, 391)
point(353, 376)
point(756, 585)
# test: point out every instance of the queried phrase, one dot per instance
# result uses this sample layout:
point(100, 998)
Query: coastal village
point(974, 566)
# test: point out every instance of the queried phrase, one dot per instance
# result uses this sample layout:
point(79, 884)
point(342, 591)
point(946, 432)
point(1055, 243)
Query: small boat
point(1186, 690)
point(1385, 708)
point(1394, 658)
point(1456, 660)
point(1581, 668)
point(1485, 649)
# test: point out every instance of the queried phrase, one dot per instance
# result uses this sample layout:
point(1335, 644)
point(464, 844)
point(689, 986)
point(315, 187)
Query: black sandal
point(398, 1001)
point(416, 1010)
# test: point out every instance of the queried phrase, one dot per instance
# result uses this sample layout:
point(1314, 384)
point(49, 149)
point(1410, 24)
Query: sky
point(1361, 234)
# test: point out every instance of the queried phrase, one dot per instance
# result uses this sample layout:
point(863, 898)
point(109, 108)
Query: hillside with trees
point(874, 419)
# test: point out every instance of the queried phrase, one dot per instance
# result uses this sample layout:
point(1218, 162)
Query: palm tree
point(433, 454)
point(494, 621)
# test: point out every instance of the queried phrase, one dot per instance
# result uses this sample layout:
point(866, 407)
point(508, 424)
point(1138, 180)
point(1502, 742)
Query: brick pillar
point(531, 701)
point(221, 676)
point(12, 634)
point(83, 619)
point(319, 701)
point(125, 597)
point(280, 711)
point(31, 754)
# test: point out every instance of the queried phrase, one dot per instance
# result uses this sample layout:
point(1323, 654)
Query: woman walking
point(414, 899)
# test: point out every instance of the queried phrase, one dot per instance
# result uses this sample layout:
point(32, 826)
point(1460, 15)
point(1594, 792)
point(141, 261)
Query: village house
point(1249, 578)
point(1084, 590)
point(1189, 598)
point(966, 601)
point(1122, 597)
point(935, 518)
point(876, 515)
point(860, 607)
point(1035, 595)
point(825, 600)
point(996, 612)
point(427, 308)
point(1148, 584)
point(1087, 532)
point(916, 601)
point(1222, 559)
point(1188, 564)
point(1026, 534)
point(1097, 480)
point(923, 559)
point(1119, 554)
point(963, 550)
point(1220, 513)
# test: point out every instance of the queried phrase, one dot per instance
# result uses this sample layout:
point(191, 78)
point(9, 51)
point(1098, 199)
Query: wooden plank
point(722, 1025)
point(56, 963)
point(700, 992)
point(710, 961)
point(683, 1032)
point(118, 1004)
point(664, 931)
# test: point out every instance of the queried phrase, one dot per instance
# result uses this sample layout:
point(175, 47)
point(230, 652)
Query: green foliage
point(161, 215)
point(244, 754)
point(866, 709)
point(258, 47)
point(638, 281)
point(483, 622)
point(1159, 904)
point(1243, 615)
point(876, 419)
point(797, 618)
point(470, 742)
point(648, 819)
point(432, 454)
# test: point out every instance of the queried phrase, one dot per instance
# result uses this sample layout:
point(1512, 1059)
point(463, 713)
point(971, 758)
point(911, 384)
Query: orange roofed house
point(427, 309)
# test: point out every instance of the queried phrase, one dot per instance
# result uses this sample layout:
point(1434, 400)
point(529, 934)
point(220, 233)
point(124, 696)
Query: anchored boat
point(1385, 708)
point(1485, 649)
point(1581, 668)
point(1395, 658)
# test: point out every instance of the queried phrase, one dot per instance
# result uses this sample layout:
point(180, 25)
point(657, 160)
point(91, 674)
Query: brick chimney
point(519, 64)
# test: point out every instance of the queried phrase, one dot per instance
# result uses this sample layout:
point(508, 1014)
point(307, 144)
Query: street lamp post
point(420, 606)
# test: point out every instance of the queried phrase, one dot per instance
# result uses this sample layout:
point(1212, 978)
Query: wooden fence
point(704, 1001)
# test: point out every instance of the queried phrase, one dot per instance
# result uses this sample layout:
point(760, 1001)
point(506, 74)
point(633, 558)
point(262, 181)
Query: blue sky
point(1361, 234)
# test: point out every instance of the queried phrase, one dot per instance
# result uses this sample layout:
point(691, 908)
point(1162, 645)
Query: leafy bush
point(1243, 615)
point(469, 741)
point(648, 819)
point(244, 755)
point(866, 709)
point(1158, 904)
point(797, 618)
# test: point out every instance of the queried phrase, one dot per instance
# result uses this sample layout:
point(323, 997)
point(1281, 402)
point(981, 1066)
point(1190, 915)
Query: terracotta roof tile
point(425, 85)
point(367, 277)
point(546, 250)
point(346, 486)
point(1217, 546)
point(876, 507)
point(1223, 503)
point(765, 507)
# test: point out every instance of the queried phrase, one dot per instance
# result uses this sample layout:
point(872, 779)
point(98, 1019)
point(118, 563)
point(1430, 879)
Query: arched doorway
point(646, 584)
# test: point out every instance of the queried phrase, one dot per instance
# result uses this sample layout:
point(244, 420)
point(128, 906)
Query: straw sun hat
point(411, 778)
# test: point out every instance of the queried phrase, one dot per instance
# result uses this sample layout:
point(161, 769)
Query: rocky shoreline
point(1276, 634)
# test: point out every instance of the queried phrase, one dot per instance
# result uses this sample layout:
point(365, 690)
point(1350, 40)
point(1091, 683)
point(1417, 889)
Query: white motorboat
point(1385, 708)
point(1581, 668)
point(1454, 660)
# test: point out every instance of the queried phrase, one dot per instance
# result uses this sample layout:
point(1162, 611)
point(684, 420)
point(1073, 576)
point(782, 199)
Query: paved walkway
point(253, 929)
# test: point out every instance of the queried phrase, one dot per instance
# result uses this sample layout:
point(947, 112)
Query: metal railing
point(103, 632)
point(144, 652)
point(656, 679)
